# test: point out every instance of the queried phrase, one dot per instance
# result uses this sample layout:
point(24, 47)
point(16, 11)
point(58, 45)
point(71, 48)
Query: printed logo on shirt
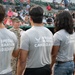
point(43, 41)
point(6, 45)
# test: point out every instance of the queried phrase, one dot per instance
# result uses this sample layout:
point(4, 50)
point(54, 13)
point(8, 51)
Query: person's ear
point(30, 18)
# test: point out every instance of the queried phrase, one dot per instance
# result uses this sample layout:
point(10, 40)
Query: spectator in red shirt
point(48, 7)
point(7, 21)
point(10, 12)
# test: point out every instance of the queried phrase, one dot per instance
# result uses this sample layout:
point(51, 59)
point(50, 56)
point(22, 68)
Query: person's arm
point(16, 50)
point(74, 58)
point(56, 46)
point(15, 53)
point(54, 54)
point(22, 62)
point(74, 64)
point(24, 49)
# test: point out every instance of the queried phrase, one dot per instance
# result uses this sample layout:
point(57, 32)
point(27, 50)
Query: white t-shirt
point(74, 42)
point(38, 40)
point(66, 43)
point(8, 43)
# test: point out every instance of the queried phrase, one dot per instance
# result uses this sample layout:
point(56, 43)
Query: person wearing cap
point(36, 46)
point(17, 31)
point(8, 46)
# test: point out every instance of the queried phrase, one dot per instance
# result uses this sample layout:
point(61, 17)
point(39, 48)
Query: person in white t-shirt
point(36, 46)
point(8, 46)
point(63, 47)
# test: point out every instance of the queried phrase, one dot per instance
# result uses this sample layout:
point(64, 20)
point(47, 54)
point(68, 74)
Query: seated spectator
point(49, 22)
point(48, 7)
point(10, 12)
point(26, 19)
point(15, 13)
point(27, 8)
point(7, 21)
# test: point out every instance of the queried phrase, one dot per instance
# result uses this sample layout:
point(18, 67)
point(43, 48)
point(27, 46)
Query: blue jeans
point(66, 68)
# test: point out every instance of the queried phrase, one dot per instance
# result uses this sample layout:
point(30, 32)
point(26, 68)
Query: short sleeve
point(57, 39)
point(24, 42)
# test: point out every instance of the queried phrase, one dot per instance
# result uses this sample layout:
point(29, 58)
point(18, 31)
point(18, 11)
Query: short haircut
point(64, 20)
point(14, 19)
point(36, 13)
point(2, 13)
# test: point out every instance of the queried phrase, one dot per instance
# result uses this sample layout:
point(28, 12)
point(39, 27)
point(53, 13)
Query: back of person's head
point(2, 13)
point(36, 13)
point(64, 20)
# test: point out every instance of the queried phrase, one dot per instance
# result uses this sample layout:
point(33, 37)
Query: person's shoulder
point(60, 33)
point(9, 33)
point(11, 29)
point(46, 30)
point(12, 35)
point(21, 29)
point(29, 30)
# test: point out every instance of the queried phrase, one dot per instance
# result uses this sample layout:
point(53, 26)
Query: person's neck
point(36, 24)
point(16, 28)
point(2, 26)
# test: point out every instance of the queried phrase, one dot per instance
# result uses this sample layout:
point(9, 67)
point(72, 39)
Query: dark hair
point(36, 13)
point(2, 13)
point(49, 20)
point(64, 20)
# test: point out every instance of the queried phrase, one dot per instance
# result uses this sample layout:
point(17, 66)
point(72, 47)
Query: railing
point(28, 27)
point(51, 28)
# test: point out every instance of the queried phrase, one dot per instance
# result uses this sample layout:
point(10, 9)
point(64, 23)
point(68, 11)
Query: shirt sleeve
point(24, 42)
point(57, 39)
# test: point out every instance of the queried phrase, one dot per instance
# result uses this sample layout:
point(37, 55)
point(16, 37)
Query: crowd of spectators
point(23, 15)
